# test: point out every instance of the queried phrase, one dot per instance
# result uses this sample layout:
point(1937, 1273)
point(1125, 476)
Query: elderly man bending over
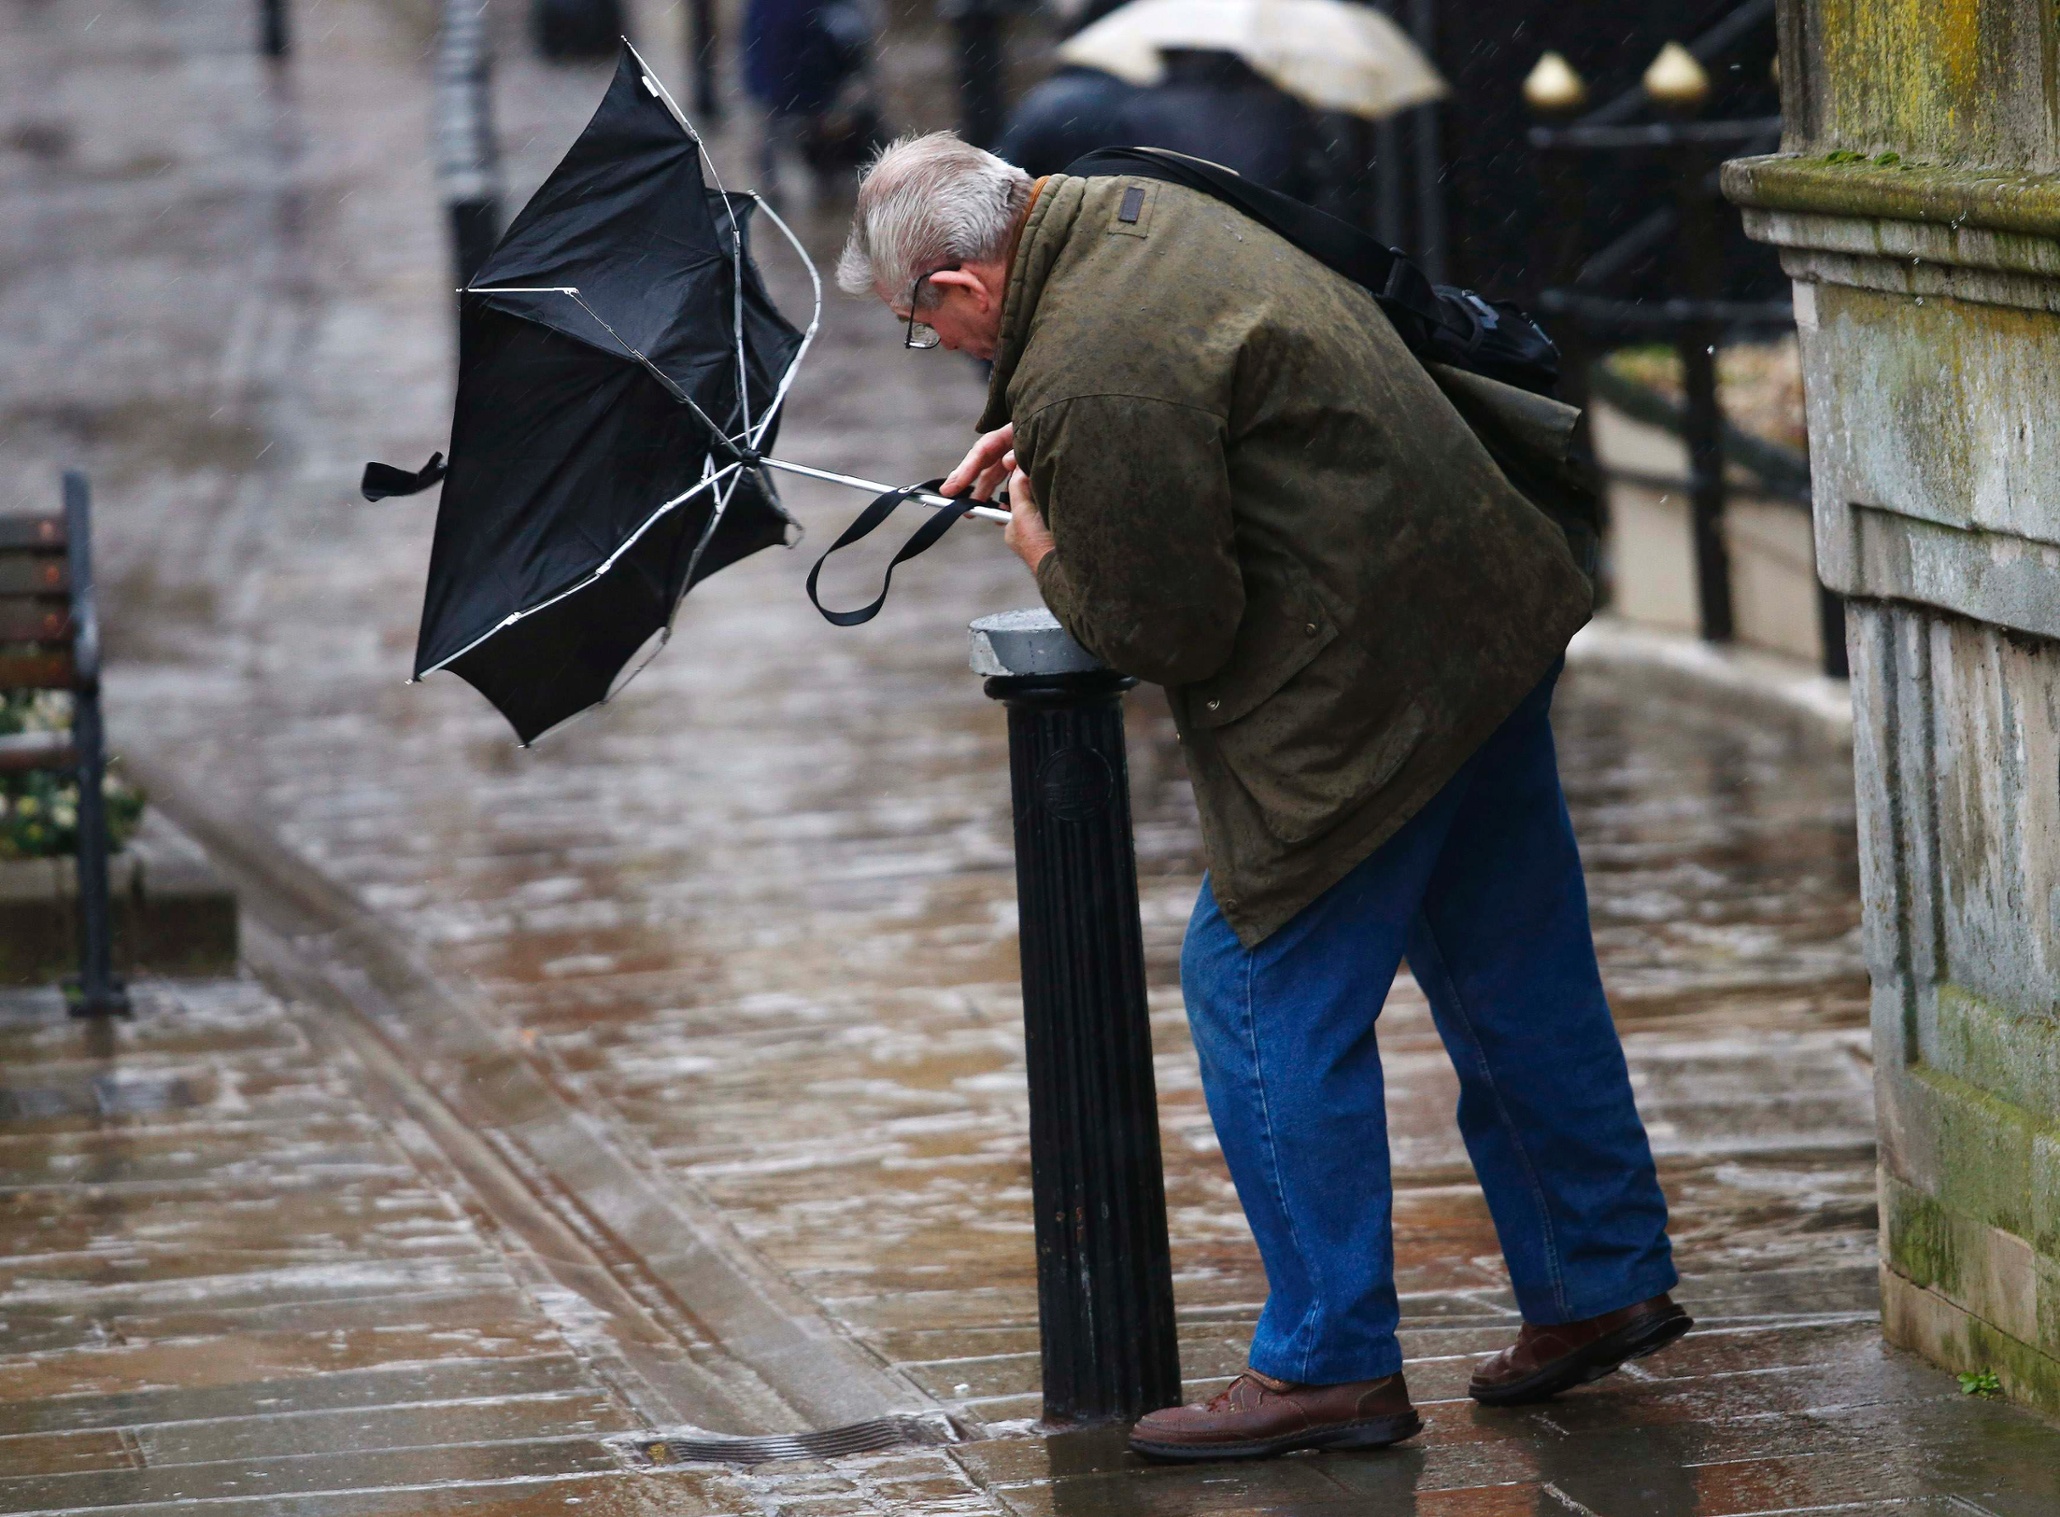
point(1258, 498)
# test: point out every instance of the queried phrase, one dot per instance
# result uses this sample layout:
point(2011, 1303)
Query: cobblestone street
point(669, 1075)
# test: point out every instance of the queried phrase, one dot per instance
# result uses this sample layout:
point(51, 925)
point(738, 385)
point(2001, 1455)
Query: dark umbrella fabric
point(581, 416)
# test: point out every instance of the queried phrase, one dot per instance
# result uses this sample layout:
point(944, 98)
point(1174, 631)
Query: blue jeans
point(1482, 889)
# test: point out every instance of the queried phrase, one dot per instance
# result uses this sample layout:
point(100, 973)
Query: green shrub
point(39, 812)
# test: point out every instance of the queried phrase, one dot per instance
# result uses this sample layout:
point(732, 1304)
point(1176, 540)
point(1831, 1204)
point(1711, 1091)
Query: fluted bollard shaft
point(1104, 1274)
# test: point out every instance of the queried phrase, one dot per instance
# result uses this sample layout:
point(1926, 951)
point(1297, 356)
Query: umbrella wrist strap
point(921, 541)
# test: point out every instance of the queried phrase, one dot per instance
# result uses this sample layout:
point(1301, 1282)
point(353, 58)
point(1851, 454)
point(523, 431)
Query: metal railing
point(1581, 292)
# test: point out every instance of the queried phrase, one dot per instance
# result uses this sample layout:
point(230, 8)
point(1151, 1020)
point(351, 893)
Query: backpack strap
point(1390, 276)
point(1435, 322)
point(920, 541)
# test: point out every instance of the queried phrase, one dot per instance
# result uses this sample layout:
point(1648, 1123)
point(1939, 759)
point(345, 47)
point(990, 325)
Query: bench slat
point(26, 752)
point(35, 671)
point(25, 619)
point(18, 531)
point(34, 574)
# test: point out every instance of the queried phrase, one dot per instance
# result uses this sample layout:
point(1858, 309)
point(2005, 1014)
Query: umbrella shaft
point(924, 497)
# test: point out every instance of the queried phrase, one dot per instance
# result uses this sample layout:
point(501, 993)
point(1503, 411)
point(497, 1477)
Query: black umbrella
point(616, 356)
point(620, 374)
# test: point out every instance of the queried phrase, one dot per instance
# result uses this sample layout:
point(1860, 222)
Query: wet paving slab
point(248, 1285)
point(753, 926)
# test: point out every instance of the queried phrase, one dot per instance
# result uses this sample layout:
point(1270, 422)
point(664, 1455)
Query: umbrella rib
point(657, 87)
point(736, 283)
point(723, 438)
point(928, 498)
point(602, 568)
point(815, 321)
point(753, 432)
point(715, 516)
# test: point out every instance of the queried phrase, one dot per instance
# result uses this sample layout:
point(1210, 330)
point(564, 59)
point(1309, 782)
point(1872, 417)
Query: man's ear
point(963, 279)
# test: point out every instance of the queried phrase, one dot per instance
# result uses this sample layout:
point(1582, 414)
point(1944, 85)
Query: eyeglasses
point(921, 336)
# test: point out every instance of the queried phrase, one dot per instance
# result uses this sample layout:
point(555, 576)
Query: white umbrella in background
point(1331, 54)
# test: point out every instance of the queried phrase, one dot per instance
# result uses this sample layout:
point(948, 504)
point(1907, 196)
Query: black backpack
point(1438, 323)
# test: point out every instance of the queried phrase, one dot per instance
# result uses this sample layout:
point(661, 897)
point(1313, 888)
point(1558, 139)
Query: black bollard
point(272, 34)
point(982, 34)
point(568, 29)
point(475, 231)
point(701, 44)
point(467, 155)
point(1104, 1270)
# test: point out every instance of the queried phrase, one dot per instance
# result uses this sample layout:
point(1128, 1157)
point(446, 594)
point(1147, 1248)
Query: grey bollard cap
point(1028, 642)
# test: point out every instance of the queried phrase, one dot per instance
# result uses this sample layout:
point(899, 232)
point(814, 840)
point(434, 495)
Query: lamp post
point(1104, 1272)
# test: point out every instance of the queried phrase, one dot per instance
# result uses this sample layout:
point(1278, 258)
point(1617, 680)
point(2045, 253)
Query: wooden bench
point(50, 640)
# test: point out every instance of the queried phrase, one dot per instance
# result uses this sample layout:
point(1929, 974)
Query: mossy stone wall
point(1917, 207)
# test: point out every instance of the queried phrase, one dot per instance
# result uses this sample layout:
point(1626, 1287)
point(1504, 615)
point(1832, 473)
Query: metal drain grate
point(829, 1443)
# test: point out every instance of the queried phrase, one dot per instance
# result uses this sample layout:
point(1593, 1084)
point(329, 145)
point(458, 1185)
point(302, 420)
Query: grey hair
point(925, 203)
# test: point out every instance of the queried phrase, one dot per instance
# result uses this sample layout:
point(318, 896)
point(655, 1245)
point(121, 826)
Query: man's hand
point(1026, 534)
point(986, 466)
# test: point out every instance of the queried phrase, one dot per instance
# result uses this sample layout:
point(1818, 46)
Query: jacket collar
point(1053, 211)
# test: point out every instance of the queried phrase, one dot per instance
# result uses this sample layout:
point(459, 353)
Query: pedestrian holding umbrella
point(621, 371)
point(1329, 54)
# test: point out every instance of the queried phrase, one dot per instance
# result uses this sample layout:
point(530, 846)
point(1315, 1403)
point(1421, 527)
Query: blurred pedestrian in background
point(1259, 86)
point(1070, 113)
point(1210, 105)
point(807, 62)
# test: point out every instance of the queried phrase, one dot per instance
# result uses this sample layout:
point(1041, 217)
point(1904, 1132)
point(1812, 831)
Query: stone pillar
point(1917, 207)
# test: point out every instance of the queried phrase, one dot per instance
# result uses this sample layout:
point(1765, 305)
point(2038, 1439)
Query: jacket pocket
point(1285, 626)
point(1311, 759)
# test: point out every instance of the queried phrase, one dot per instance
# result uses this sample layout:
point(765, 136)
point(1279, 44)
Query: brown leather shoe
point(1547, 1360)
point(1257, 1417)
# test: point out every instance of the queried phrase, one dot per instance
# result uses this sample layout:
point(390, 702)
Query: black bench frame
point(50, 640)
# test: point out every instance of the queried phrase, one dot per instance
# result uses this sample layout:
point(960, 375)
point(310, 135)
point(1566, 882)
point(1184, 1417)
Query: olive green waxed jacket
point(1263, 502)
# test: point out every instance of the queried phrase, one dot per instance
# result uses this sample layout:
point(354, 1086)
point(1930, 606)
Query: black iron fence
point(1663, 279)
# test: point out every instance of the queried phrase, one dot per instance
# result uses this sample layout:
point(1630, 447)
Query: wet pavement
point(716, 988)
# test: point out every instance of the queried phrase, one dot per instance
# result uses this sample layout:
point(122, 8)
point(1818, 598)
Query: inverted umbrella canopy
point(620, 365)
point(1334, 55)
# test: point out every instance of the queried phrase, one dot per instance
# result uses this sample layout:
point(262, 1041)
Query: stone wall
point(1917, 207)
